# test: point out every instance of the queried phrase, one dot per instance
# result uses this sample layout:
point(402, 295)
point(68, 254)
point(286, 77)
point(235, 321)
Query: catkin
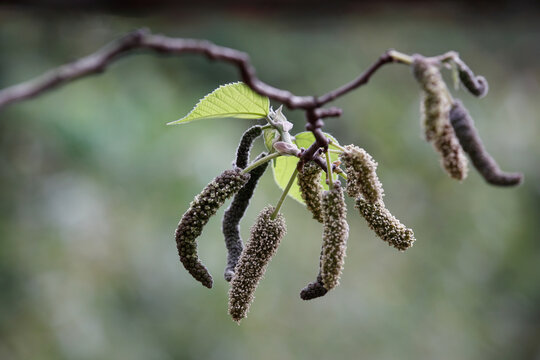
point(335, 235)
point(435, 108)
point(231, 219)
point(266, 234)
point(200, 210)
point(435, 105)
point(476, 84)
point(385, 225)
point(309, 181)
point(362, 179)
point(244, 147)
point(453, 159)
point(468, 137)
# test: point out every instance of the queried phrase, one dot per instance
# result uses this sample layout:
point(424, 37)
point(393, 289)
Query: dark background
point(92, 184)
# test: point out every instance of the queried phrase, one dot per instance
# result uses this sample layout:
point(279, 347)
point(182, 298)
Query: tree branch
point(143, 39)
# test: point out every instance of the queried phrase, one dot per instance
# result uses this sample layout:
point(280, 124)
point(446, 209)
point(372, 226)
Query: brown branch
point(143, 39)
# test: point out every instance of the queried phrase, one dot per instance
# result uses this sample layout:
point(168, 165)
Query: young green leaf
point(285, 165)
point(235, 100)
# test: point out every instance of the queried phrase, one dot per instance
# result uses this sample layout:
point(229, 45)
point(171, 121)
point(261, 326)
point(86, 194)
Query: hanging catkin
point(335, 235)
point(362, 179)
point(200, 210)
point(468, 137)
point(231, 219)
point(385, 225)
point(309, 181)
point(266, 234)
point(435, 108)
point(435, 105)
point(453, 158)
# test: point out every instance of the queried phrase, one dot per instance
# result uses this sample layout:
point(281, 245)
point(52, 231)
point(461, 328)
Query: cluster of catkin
point(245, 265)
point(448, 125)
point(329, 208)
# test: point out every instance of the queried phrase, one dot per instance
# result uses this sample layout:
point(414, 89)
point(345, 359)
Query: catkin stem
point(260, 162)
point(329, 172)
point(400, 57)
point(336, 151)
point(284, 194)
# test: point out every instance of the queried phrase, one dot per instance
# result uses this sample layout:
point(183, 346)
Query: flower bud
point(385, 225)
point(468, 137)
point(435, 105)
point(200, 210)
point(231, 219)
point(266, 234)
point(362, 178)
point(244, 148)
point(335, 235)
point(309, 181)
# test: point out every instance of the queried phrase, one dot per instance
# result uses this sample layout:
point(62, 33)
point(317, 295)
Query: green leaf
point(285, 165)
point(235, 100)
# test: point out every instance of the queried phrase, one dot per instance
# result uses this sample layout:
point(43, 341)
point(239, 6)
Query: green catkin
point(266, 234)
point(385, 225)
point(204, 206)
point(468, 137)
point(362, 179)
point(309, 181)
point(335, 235)
point(244, 147)
point(435, 105)
point(233, 215)
point(453, 158)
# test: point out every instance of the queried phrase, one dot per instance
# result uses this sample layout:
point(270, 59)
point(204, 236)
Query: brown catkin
point(204, 206)
point(435, 105)
point(385, 225)
point(266, 234)
point(453, 158)
point(476, 84)
point(309, 181)
point(335, 235)
point(469, 139)
point(361, 170)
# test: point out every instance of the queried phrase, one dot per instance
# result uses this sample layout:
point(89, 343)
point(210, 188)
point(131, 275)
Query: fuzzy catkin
point(453, 159)
point(435, 105)
point(266, 234)
point(200, 210)
point(335, 235)
point(244, 147)
point(362, 179)
point(385, 225)
point(234, 213)
point(309, 181)
point(468, 137)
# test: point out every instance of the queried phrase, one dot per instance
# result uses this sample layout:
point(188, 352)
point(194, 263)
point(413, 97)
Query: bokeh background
point(92, 184)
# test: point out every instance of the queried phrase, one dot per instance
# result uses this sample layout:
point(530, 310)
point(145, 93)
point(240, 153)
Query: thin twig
point(143, 39)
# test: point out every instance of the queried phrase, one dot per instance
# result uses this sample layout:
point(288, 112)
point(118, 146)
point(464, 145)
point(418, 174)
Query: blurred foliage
point(92, 184)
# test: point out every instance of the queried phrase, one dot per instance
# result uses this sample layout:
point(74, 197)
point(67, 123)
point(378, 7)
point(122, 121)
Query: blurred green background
point(92, 185)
